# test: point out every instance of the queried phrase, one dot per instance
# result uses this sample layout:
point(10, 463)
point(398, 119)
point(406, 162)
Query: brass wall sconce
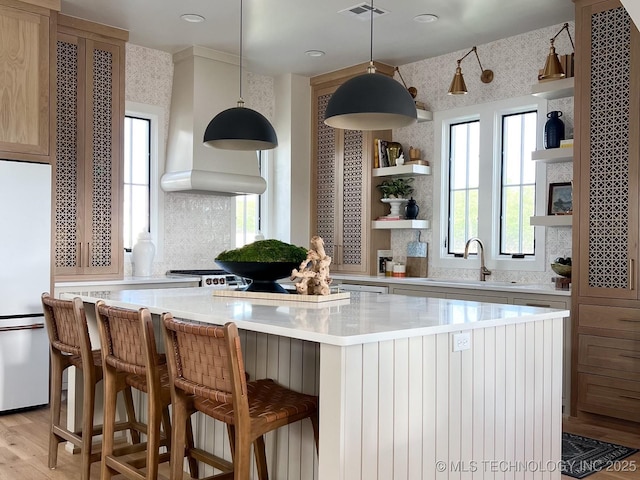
point(413, 91)
point(458, 87)
point(552, 66)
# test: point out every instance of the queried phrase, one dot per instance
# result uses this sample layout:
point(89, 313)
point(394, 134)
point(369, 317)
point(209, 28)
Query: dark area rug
point(582, 456)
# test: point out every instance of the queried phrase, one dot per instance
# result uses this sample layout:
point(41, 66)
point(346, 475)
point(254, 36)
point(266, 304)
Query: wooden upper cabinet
point(89, 151)
point(607, 151)
point(26, 31)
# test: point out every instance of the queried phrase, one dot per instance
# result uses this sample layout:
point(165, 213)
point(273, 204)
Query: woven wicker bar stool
point(129, 346)
point(207, 372)
point(70, 346)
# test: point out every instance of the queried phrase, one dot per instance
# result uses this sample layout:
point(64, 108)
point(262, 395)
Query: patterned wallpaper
point(196, 227)
point(515, 62)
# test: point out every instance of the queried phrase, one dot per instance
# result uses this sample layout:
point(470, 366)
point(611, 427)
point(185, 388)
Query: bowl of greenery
point(263, 262)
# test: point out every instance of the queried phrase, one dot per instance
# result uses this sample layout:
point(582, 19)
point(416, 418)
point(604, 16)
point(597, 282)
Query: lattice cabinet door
point(89, 158)
point(24, 82)
point(609, 150)
point(342, 192)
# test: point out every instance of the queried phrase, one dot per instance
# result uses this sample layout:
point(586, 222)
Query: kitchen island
point(409, 387)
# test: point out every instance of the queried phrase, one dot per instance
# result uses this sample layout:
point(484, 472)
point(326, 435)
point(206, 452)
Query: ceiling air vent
point(362, 12)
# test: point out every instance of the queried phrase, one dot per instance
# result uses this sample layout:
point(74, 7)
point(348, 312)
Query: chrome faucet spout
point(484, 271)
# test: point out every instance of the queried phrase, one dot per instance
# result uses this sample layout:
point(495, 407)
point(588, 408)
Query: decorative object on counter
point(313, 271)
point(553, 130)
point(411, 210)
point(552, 66)
point(458, 87)
point(240, 128)
point(562, 266)
point(417, 262)
point(263, 262)
point(370, 101)
point(414, 153)
point(399, 270)
point(383, 256)
point(142, 255)
point(560, 199)
point(388, 271)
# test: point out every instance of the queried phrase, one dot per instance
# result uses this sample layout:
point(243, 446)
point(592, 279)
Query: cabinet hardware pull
point(79, 259)
point(88, 254)
point(632, 274)
point(631, 397)
point(538, 305)
point(630, 356)
point(632, 320)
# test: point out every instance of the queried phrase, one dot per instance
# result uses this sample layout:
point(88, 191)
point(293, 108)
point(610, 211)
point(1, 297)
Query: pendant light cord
point(240, 101)
point(371, 68)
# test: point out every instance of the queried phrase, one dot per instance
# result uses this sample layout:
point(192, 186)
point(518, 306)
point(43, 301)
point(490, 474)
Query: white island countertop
point(361, 319)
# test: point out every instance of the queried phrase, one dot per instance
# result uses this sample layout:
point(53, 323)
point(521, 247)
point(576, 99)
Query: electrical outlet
point(461, 341)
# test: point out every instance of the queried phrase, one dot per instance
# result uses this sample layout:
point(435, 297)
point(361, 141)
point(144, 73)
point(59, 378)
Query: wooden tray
point(287, 297)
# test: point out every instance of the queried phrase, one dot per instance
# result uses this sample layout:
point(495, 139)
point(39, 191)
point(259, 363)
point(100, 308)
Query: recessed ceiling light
point(314, 53)
point(192, 18)
point(426, 18)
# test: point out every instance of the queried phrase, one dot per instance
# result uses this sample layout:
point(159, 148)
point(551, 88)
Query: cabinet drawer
point(609, 396)
point(614, 318)
point(613, 353)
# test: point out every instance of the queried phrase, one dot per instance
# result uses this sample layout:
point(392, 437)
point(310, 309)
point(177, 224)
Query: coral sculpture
point(314, 271)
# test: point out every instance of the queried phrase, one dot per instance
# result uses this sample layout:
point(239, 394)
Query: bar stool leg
point(261, 458)
point(56, 400)
point(193, 463)
point(110, 395)
point(88, 405)
point(153, 438)
point(131, 414)
point(179, 431)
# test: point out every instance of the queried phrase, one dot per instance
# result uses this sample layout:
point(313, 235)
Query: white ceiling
point(278, 32)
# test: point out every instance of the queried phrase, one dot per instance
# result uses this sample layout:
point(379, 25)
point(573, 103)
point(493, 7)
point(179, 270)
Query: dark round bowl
point(263, 275)
point(562, 270)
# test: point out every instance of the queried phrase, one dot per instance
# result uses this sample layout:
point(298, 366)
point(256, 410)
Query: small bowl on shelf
point(561, 269)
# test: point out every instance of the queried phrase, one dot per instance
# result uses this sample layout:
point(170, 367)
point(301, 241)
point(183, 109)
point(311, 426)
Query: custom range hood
point(205, 82)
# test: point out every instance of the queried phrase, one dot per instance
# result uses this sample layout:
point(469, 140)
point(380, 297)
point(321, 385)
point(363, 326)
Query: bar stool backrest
point(206, 361)
point(67, 328)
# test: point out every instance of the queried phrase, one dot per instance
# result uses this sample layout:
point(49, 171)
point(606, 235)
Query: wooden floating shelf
point(402, 170)
point(553, 89)
point(399, 224)
point(552, 220)
point(553, 155)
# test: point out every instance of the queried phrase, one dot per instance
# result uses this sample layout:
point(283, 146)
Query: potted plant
point(399, 188)
point(395, 192)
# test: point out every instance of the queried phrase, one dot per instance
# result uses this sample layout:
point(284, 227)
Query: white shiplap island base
point(396, 400)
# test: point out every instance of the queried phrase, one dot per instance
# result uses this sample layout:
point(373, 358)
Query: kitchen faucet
point(483, 270)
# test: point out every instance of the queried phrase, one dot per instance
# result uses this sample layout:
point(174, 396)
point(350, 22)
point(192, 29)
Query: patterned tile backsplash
point(197, 227)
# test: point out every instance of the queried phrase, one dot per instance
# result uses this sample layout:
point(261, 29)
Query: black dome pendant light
point(371, 101)
point(240, 128)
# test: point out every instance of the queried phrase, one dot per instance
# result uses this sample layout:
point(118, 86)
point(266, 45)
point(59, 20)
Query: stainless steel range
point(212, 278)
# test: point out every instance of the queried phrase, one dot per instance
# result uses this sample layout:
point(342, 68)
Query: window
point(518, 192)
point(485, 184)
point(464, 173)
point(250, 211)
point(143, 167)
point(137, 168)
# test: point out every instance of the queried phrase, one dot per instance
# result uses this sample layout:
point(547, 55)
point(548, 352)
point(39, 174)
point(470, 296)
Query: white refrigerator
point(25, 266)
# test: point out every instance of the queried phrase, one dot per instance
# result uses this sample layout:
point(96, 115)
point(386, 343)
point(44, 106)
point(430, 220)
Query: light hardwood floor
point(24, 440)
point(24, 450)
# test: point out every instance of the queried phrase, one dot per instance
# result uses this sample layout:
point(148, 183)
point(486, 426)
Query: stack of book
point(390, 217)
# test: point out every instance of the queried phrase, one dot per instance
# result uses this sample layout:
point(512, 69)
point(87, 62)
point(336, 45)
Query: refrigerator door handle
point(35, 326)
